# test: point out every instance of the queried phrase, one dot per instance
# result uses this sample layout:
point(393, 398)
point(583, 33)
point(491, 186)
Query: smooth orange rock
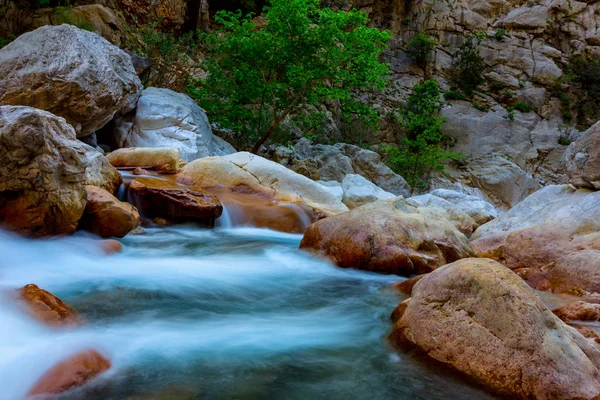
point(110, 246)
point(106, 216)
point(71, 373)
point(408, 285)
point(48, 308)
point(164, 199)
point(578, 311)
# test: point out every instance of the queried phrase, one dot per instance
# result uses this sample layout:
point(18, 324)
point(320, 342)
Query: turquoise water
point(185, 313)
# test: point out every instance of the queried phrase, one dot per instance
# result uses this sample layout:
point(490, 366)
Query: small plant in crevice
point(419, 151)
point(419, 48)
point(500, 34)
point(467, 66)
point(451, 95)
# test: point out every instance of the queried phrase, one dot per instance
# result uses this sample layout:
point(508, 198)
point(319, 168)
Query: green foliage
point(467, 67)
point(304, 57)
point(173, 57)
point(500, 34)
point(454, 96)
point(525, 108)
point(6, 40)
point(420, 152)
point(419, 48)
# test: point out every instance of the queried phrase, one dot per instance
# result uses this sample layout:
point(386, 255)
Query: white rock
point(164, 118)
point(358, 191)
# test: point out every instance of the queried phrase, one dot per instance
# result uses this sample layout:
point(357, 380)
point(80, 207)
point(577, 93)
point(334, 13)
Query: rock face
point(48, 308)
point(388, 237)
point(483, 320)
point(464, 211)
point(549, 224)
point(71, 373)
point(71, 73)
point(583, 159)
point(248, 173)
point(43, 172)
point(157, 198)
point(106, 216)
point(358, 191)
point(163, 159)
point(333, 163)
point(164, 118)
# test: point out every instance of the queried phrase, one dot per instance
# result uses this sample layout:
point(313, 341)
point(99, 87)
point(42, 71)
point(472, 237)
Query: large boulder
point(549, 224)
point(162, 159)
point(48, 308)
point(248, 173)
point(43, 172)
point(482, 319)
point(70, 373)
point(106, 216)
point(583, 159)
point(69, 72)
point(387, 236)
point(164, 118)
point(157, 198)
point(358, 191)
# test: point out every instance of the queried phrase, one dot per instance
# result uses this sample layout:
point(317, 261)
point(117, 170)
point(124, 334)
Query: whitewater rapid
point(218, 314)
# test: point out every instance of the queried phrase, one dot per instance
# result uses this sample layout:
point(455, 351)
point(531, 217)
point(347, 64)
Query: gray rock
point(71, 73)
point(43, 172)
point(358, 191)
point(164, 118)
point(334, 187)
point(583, 159)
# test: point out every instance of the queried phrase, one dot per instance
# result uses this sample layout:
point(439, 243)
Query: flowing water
point(229, 313)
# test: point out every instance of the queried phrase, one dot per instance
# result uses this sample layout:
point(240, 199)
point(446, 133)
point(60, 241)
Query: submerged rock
point(156, 198)
point(248, 173)
point(549, 224)
point(43, 172)
point(73, 372)
point(48, 308)
point(106, 216)
point(69, 72)
point(162, 159)
point(164, 118)
point(583, 159)
point(388, 237)
point(482, 319)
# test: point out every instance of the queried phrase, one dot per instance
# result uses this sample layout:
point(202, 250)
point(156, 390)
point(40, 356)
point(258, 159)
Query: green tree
point(467, 66)
point(419, 48)
point(420, 152)
point(304, 56)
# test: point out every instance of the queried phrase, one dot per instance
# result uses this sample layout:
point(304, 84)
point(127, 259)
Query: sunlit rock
point(482, 319)
point(162, 159)
point(48, 308)
point(106, 216)
point(388, 237)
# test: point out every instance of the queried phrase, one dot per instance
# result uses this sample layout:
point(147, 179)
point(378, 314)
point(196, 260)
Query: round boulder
point(482, 319)
point(106, 216)
point(69, 72)
point(43, 172)
point(388, 237)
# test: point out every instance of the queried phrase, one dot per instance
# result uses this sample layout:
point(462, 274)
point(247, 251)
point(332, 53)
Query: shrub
point(420, 152)
point(305, 56)
point(419, 48)
point(454, 96)
point(468, 66)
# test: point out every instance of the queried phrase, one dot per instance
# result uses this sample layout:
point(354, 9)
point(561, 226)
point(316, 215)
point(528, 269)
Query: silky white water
point(187, 313)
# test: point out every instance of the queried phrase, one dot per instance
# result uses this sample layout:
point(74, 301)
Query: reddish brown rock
point(388, 237)
point(408, 285)
point(588, 333)
point(579, 311)
point(73, 372)
point(106, 216)
point(399, 310)
point(156, 198)
point(110, 246)
point(480, 318)
point(48, 308)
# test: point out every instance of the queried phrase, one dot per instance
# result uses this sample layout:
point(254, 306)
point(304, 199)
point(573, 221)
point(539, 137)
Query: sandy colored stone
point(163, 159)
point(482, 319)
point(106, 216)
point(73, 372)
point(387, 236)
point(248, 173)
